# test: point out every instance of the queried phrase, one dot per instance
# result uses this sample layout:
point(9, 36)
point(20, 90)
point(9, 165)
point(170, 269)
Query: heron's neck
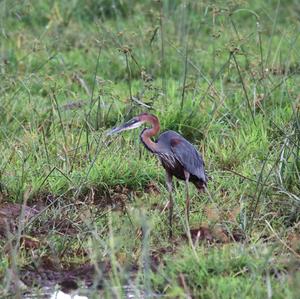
point(150, 132)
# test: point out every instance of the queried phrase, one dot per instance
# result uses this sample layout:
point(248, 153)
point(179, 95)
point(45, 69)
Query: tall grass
point(224, 75)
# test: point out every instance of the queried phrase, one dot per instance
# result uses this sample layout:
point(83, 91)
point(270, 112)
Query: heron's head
point(135, 122)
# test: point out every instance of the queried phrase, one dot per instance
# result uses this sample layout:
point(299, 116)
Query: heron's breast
point(167, 160)
point(172, 165)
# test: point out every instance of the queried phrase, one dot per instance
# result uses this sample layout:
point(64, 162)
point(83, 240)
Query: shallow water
point(129, 291)
point(49, 293)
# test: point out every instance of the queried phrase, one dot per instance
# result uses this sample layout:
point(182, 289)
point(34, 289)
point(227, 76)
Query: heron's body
point(178, 156)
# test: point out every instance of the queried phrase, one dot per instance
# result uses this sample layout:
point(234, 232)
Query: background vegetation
point(224, 74)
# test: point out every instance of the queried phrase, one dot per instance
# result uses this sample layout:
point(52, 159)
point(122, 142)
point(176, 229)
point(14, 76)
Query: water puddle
point(79, 283)
point(127, 291)
point(62, 295)
point(49, 293)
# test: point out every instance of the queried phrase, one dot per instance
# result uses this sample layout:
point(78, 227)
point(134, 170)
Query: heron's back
point(177, 154)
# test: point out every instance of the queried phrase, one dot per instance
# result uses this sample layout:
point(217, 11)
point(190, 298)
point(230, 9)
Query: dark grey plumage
point(177, 155)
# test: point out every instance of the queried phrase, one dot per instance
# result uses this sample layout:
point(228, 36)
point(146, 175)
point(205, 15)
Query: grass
point(224, 75)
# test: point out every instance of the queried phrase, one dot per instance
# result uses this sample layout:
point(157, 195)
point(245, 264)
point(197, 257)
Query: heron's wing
point(188, 157)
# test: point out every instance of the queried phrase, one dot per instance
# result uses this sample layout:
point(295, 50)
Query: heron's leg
point(170, 189)
point(187, 203)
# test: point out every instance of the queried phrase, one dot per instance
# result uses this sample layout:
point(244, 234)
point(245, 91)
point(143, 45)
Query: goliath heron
point(177, 155)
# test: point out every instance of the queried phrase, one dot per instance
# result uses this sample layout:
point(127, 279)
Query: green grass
point(223, 74)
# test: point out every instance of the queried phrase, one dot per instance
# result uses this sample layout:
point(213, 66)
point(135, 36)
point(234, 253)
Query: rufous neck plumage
point(150, 132)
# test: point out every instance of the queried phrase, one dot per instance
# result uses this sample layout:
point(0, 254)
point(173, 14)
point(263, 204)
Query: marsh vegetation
point(78, 206)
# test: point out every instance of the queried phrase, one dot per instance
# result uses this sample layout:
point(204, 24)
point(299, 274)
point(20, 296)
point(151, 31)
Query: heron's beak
point(131, 124)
